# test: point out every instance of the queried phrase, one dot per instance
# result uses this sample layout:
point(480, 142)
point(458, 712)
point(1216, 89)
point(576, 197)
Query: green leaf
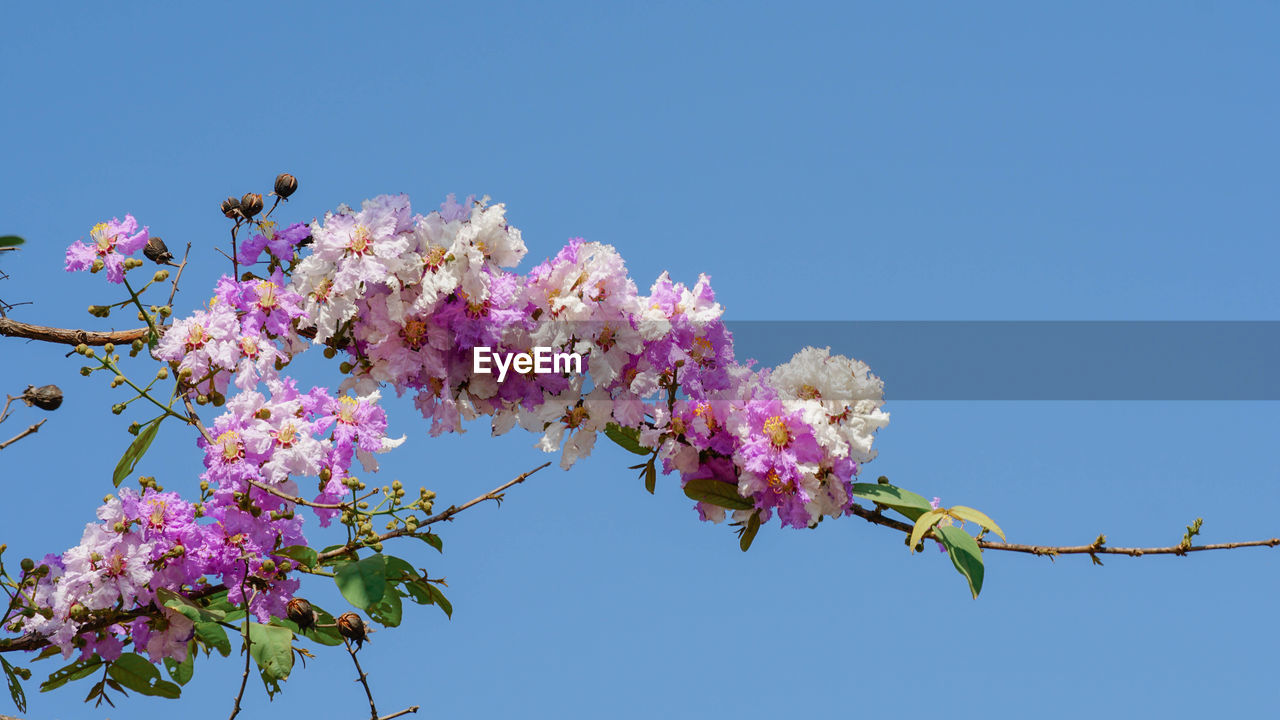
point(181, 672)
point(904, 501)
point(136, 673)
point(965, 555)
point(389, 610)
point(363, 582)
point(440, 599)
point(749, 532)
point(397, 569)
point(968, 514)
point(74, 671)
point(303, 554)
point(193, 612)
point(716, 492)
point(651, 476)
point(272, 648)
point(214, 637)
point(628, 438)
point(923, 523)
point(136, 450)
point(15, 686)
point(11, 241)
point(433, 540)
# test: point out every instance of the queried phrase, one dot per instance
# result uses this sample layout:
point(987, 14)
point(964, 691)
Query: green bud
point(86, 370)
point(268, 565)
point(108, 348)
point(117, 381)
point(345, 367)
point(27, 565)
point(329, 353)
point(97, 265)
point(202, 399)
point(160, 276)
point(117, 409)
point(82, 348)
point(162, 373)
point(137, 346)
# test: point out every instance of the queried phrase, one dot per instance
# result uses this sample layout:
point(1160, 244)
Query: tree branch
point(24, 433)
point(364, 680)
point(494, 494)
point(66, 336)
point(1097, 547)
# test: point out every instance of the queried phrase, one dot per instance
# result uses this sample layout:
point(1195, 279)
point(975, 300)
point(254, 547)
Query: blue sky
point(843, 161)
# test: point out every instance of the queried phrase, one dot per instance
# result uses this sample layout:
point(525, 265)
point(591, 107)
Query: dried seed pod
point(286, 185)
point(301, 613)
point(46, 397)
point(251, 204)
point(351, 627)
point(231, 208)
point(156, 251)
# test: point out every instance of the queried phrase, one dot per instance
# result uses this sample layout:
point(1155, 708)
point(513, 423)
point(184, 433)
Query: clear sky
point(841, 161)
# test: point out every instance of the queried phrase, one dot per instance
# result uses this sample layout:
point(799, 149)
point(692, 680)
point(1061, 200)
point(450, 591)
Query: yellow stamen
point(777, 431)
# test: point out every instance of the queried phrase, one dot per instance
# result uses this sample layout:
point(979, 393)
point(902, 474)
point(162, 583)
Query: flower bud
point(286, 185)
point(97, 265)
point(251, 204)
point(301, 613)
point(27, 565)
point(162, 373)
point(109, 348)
point(231, 208)
point(160, 276)
point(45, 397)
point(136, 346)
point(156, 251)
point(351, 627)
point(268, 566)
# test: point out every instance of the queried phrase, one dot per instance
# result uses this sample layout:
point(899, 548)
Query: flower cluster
point(408, 298)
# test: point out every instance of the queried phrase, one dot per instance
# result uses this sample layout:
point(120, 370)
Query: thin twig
point(244, 679)
point(178, 276)
point(406, 711)
point(363, 678)
point(1098, 547)
point(494, 494)
point(22, 434)
point(294, 498)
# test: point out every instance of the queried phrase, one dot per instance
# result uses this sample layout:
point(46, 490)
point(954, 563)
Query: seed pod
point(156, 251)
point(286, 185)
point(231, 208)
point(251, 204)
point(47, 397)
point(351, 627)
point(300, 612)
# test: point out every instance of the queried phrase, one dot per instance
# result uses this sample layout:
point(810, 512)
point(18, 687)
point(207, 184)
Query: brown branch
point(494, 494)
point(1098, 547)
point(363, 678)
point(244, 679)
point(67, 336)
point(22, 434)
point(406, 711)
point(296, 500)
point(183, 266)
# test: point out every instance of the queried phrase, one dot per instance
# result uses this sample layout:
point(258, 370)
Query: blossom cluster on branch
point(407, 299)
